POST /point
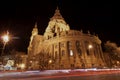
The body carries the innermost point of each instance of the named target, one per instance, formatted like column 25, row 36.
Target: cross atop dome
column 57, row 14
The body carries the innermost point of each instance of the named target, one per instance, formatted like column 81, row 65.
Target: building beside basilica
column 63, row 48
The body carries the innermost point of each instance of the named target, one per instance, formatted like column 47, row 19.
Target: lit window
column 71, row 53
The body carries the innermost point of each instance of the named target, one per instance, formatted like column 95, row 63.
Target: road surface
column 61, row 75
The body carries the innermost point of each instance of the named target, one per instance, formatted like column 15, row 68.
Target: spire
column 35, row 24
column 57, row 14
column 35, row 29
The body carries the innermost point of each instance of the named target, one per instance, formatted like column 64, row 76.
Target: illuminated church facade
column 62, row 48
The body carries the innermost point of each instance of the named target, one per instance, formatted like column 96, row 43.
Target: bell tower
column 34, row 32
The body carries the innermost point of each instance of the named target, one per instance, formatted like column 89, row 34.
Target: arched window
column 79, row 51
column 78, row 44
column 71, row 52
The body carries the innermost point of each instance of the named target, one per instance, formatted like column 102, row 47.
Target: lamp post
column 5, row 39
column 90, row 47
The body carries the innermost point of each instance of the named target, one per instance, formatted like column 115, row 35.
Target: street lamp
column 5, row 39
column 50, row 61
column 90, row 46
column 22, row 66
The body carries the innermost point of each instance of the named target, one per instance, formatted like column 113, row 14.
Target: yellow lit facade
column 63, row 48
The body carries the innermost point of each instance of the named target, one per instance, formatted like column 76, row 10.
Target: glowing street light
column 50, row 61
column 90, row 46
column 5, row 39
column 22, row 66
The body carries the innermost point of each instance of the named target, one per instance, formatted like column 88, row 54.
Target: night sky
column 19, row 17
